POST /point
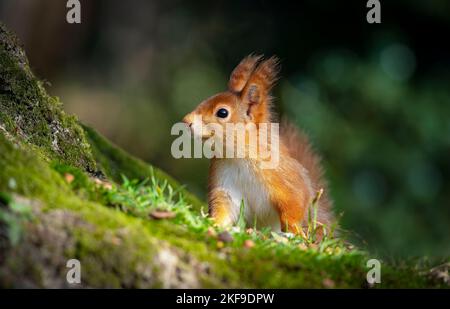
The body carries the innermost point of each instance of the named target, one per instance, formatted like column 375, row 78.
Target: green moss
column 28, row 112
column 116, row 250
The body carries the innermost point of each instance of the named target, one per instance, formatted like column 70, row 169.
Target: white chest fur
column 237, row 178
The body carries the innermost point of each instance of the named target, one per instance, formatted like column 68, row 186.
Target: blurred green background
column 375, row 99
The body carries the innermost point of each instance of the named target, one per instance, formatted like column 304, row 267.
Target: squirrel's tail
column 300, row 149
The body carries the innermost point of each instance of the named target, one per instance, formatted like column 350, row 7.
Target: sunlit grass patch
column 157, row 200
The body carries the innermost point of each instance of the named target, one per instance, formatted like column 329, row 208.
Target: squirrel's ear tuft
column 266, row 74
column 261, row 81
column 256, row 93
column 241, row 74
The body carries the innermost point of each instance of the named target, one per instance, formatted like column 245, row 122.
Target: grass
column 142, row 198
column 152, row 195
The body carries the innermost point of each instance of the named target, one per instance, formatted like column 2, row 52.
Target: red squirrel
column 280, row 197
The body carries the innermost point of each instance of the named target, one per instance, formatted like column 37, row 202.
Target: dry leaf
column 328, row 283
column 107, row 185
column 211, row 232
column 225, row 237
column 302, row 246
column 162, row 214
column 441, row 273
column 249, row 243
column 69, row 177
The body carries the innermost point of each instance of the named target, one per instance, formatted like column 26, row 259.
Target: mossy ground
column 62, row 196
column 119, row 245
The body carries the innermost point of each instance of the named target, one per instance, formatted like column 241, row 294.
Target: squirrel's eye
column 222, row 113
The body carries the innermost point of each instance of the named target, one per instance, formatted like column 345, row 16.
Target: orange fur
column 288, row 189
column 300, row 148
column 242, row 72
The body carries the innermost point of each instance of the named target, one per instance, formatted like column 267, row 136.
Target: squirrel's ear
column 261, row 81
column 256, row 93
column 240, row 75
column 252, row 94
